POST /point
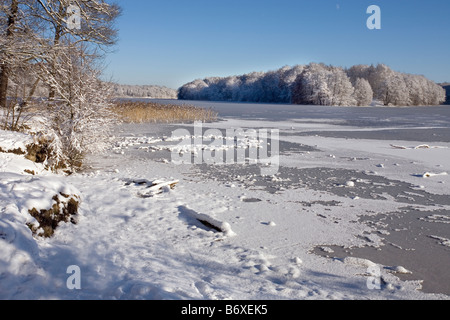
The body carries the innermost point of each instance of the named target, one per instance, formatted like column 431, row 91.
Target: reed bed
column 143, row 112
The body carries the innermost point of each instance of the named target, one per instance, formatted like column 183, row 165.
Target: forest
column 320, row 84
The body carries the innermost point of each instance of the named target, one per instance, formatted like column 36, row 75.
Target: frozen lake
column 363, row 117
column 334, row 204
column 323, row 147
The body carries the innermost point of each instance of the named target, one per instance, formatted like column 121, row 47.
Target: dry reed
column 142, row 112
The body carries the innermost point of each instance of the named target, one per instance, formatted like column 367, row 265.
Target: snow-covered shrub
column 78, row 121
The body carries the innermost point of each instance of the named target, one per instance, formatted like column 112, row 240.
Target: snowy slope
column 130, row 243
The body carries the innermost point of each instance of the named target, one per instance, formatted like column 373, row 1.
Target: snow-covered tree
column 14, row 42
column 38, row 42
column 363, row 93
column 392, row 90
column 79, row 120
column 360, row 71
column 318, row 84
column 18, row 45
column 396, row 88
column 322, row 85
column 35, row 29
column 417, row 88
column 251, row 88
column 435, row 94
column 192, row 90
column 340, row 87
column 288, row 76
column 311, row 86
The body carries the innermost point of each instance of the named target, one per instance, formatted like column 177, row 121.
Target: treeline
column 272, row 86
column 320, row 84
column 144, row 91
column 116, row 91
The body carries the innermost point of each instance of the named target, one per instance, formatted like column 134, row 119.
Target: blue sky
column 171, row 42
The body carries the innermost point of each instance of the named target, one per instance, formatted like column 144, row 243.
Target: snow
column 350, row 184
column 150, row 229
column 430, row 174
column 206, row 220
column 10, row 141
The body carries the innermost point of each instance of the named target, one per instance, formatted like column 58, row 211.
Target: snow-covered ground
column 225, row 231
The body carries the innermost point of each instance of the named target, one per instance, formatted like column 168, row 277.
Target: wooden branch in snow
column 154, row 187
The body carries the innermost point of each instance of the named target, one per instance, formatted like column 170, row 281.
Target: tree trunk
column 3, row 85
column 4, row 76
column 56, row 42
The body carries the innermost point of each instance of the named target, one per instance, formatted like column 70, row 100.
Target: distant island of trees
column 320, row 84
column 143, row 91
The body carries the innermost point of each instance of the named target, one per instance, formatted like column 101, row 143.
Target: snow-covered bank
column 131, row 243
column 25, row 186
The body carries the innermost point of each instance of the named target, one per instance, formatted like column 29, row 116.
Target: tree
column 79, row 122
column 359, row 71
column 288, row 76
column 311, row 86
column 417, row 87
column 341, row 89
column 363, row 93
column 271, row 85
column 192, row 90
column 96, row 27
column 392, row 91
column 17, row 45
column 40, row 41
column 251, row 88
column 435, row 94
column 97, row 18
column 322, row 85
column 11, row 12
column 32, row 31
